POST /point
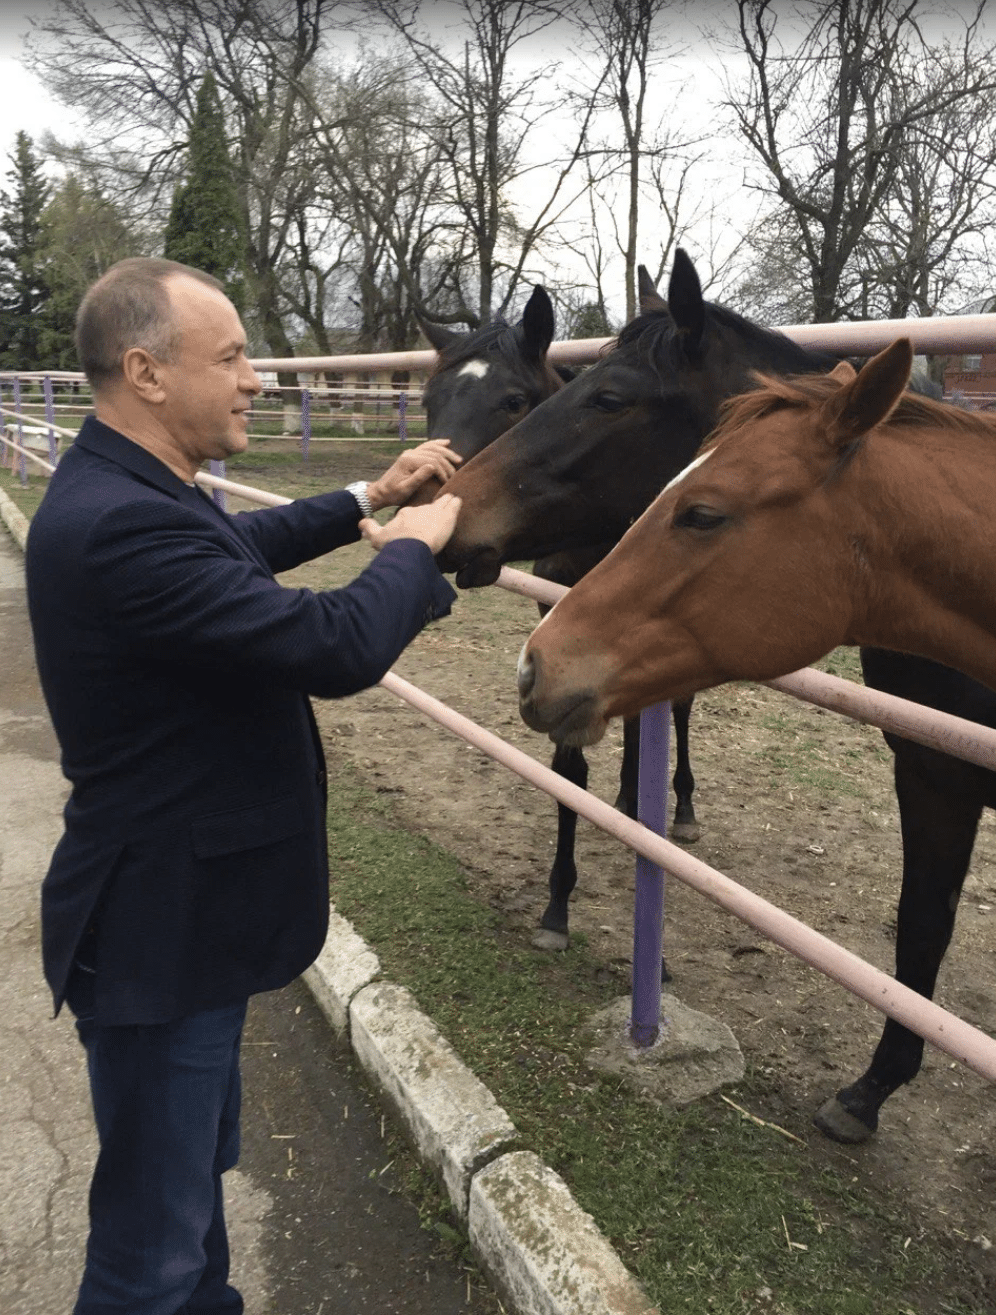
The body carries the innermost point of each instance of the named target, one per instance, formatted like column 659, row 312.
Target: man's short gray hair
column 128, row 307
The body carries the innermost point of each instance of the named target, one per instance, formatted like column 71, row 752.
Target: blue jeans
column 166, row 1103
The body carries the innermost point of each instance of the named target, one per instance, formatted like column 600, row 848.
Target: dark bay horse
column 596, row 455
column 483, row 384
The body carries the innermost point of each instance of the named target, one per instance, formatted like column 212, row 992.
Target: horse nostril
column 526, row 674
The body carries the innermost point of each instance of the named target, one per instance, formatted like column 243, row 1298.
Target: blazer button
column 320, row 777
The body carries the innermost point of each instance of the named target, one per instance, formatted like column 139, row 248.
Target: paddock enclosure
column 796, row 803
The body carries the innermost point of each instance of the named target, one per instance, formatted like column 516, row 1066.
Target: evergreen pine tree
column 23, row 290
column 82, row 235
column 205, row 225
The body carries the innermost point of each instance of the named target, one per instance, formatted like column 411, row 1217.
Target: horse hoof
column 840, row 1124
column 543, row 939
column 686, row 833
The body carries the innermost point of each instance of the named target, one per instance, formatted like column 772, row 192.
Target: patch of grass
column 800, row 761
column 707, row 1210
column 843, row 662
column 26, row 497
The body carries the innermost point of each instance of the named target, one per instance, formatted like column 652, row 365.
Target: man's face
column 210, row 383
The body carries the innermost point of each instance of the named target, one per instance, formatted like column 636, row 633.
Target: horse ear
column 844, row 372
column 685, row 301
column 870, row 396
column 537, row 324
column 650, row 298
column 439, row 337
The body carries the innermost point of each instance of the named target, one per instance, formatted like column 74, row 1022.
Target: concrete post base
column 693, row 1056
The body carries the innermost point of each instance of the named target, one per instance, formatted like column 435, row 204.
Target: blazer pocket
column 246, row 828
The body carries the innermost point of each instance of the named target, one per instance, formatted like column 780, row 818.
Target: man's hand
column 431, row 460
column 432, row 523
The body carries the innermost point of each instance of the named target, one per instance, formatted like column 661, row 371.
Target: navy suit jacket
column 193, row 870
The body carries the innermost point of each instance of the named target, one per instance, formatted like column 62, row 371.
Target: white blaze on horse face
column 477, row 368
column 688, row 470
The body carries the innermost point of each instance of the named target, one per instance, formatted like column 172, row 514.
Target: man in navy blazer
column 193, row 868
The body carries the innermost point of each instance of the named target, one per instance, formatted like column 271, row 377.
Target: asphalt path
column 317, row 1223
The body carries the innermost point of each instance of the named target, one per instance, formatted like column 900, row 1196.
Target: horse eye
column 699, row 518
column 608, row 402
column 515, row 403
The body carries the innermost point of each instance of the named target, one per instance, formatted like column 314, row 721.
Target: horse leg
column 940, row 806
column 553, row 930
column 686, row 827
column 628, row 798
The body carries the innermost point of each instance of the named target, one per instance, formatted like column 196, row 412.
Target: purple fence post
column 648, row 913
column 23, row 463
column 305, row 422
column 4, row 449
column 218, row 470
column 49, row 392
column 403, row 415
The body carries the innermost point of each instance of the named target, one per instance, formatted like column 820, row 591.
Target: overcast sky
column 26, row 105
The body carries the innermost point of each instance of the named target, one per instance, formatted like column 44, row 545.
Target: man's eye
column 699, row 518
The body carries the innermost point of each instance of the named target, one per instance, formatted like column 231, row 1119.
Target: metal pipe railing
column 954, row 1036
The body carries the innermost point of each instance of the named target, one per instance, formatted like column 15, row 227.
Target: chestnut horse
column 485, row 382
column 823, row 511
column 599, row 453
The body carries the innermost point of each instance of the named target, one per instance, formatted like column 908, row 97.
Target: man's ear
column 143, row 375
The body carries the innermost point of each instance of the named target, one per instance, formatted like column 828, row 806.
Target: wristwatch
column 359, row 492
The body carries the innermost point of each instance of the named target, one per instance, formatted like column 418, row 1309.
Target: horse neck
column 929, row 540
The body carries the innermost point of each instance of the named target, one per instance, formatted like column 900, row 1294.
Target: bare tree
column 133, row 71
column 490, row 107
column 625, row 40
column 382, row 175
column 829, row 113
column 928, row 245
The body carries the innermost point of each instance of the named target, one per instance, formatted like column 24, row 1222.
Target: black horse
column 588, row 462
column 488, row 379
column 483, row 384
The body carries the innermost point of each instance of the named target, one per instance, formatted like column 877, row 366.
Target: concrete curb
column 14, row 519
column 536, row 1244
column 542, row 1252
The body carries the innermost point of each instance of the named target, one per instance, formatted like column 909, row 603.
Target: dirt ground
column 795, row 803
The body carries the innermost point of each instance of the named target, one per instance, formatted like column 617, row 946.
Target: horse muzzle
column 571, row 717
column 474, row 567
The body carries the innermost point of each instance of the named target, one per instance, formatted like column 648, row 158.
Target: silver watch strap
column 359, row 492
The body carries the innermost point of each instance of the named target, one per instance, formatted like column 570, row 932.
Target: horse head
column 487, row 380
column 580, row 468
column 754, row 561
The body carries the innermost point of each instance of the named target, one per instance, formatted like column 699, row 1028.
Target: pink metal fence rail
column 957, row 1038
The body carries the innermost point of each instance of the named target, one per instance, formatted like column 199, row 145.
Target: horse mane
column 807, row 391
column 658, row 339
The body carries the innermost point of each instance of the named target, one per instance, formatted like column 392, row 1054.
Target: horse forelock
column 499, row 339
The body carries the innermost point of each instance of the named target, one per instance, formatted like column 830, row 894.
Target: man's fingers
column 430, row 470
column 440, row 446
